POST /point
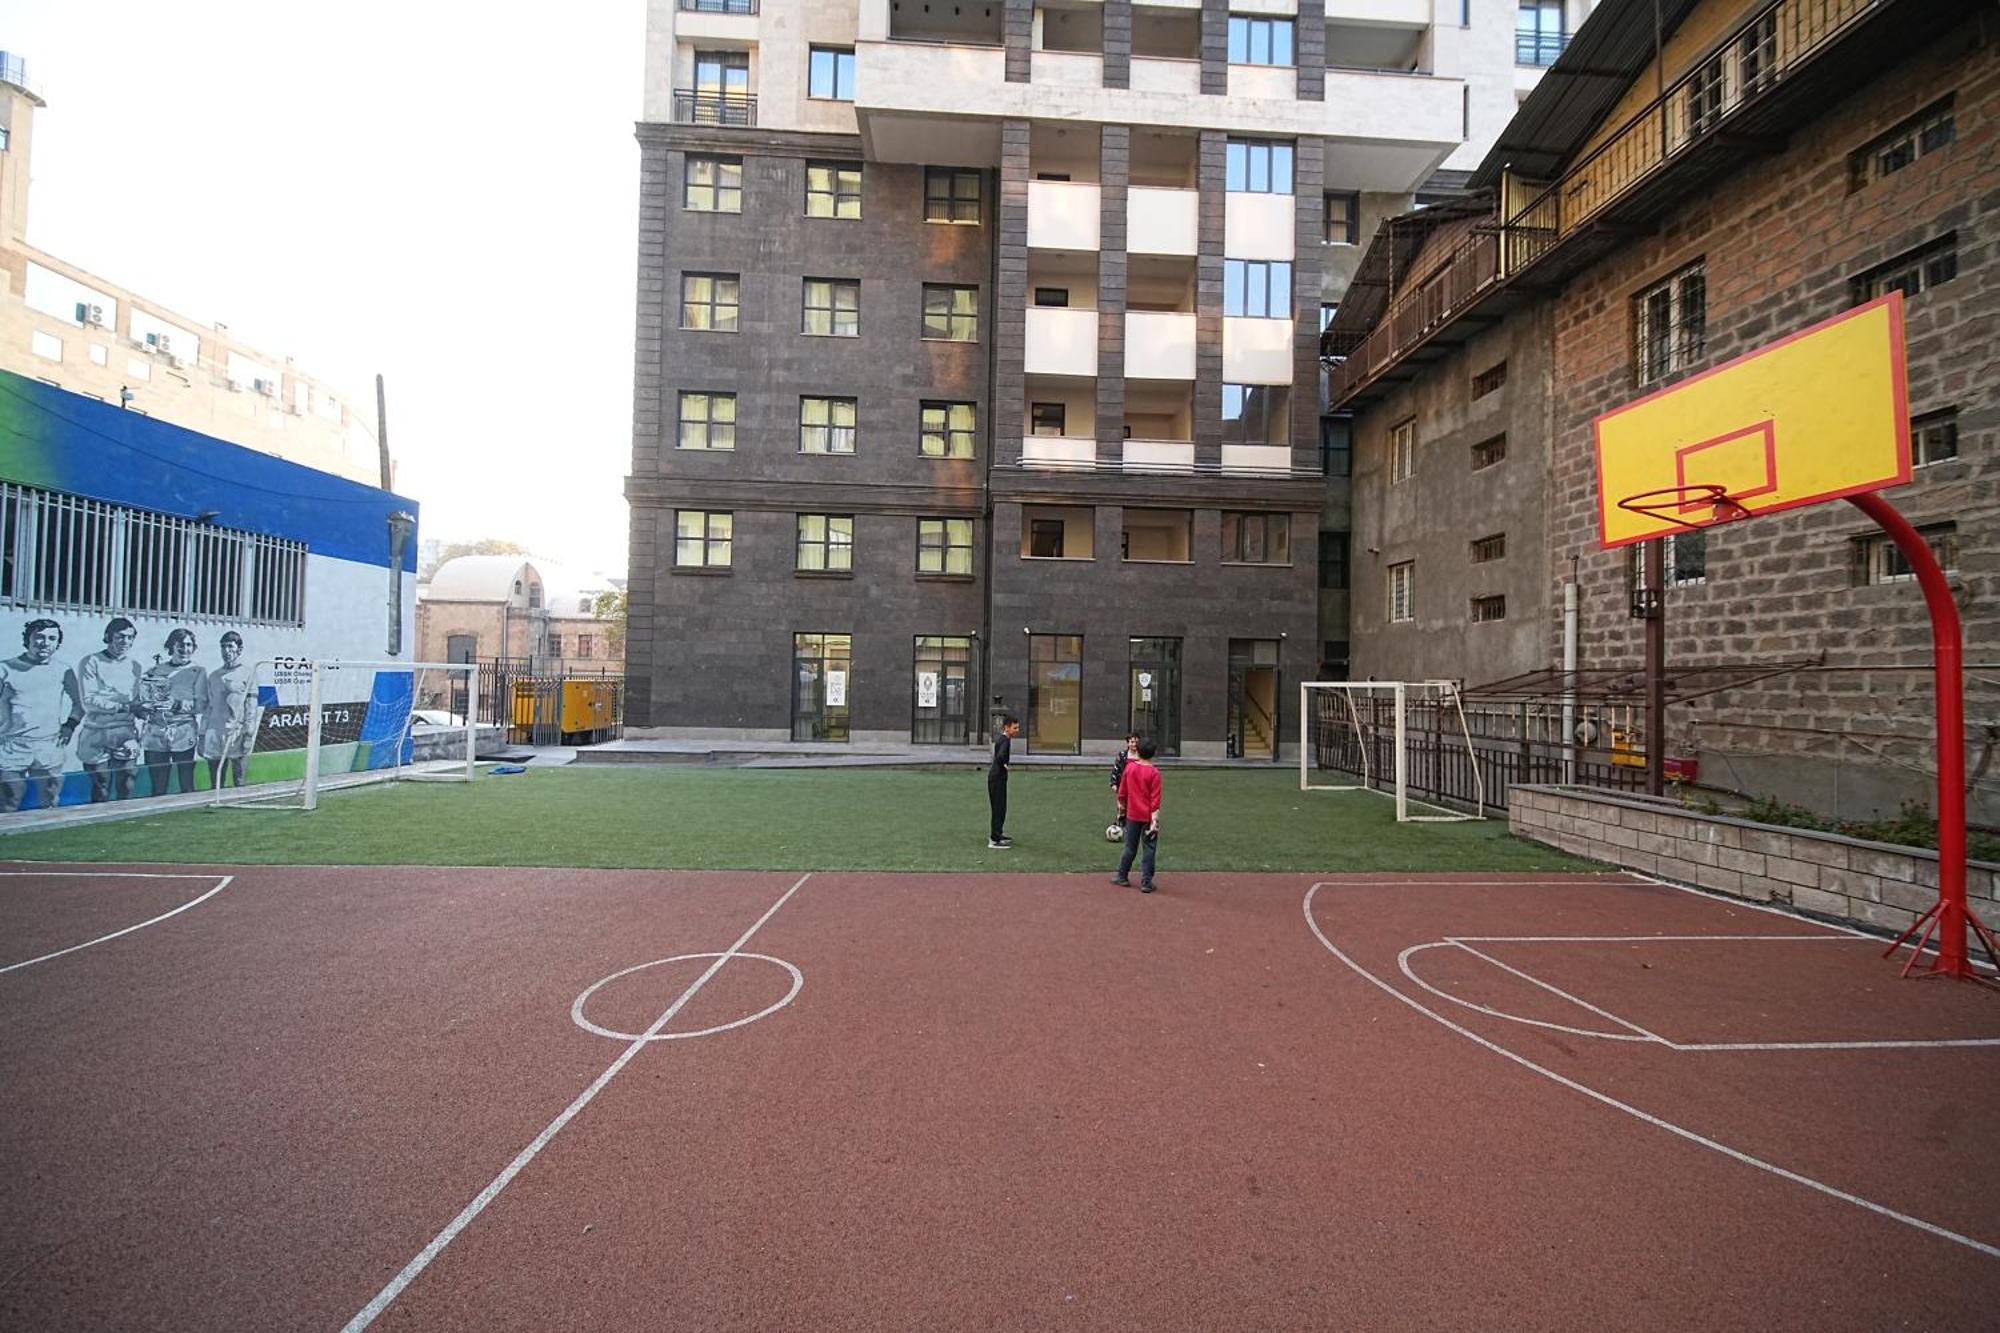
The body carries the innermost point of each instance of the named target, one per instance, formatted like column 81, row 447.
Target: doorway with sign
column 1055, row 693
column 1155, row 707
column 821, row 667
column 940, row 711
column 1253, row 699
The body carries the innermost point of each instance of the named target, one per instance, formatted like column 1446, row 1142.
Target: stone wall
column 1868, row 883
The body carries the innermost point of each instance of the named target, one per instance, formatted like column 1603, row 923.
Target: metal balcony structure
column 698, row 108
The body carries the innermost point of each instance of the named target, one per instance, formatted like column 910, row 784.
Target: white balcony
column 1276, row 83
column 1061, row 342
column 1160, row 345
column 1256, row 351
column 1259, row 226
column 1256, row 458
column 1154, row 74
column 1159, row 456
column 1380, row 13
column 1067, row 69
column 1157, row 221
column 1063, row 215
column 1058, row 451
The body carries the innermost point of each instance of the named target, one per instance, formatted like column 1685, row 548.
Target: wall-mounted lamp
column 125, row 395
column 208, row 516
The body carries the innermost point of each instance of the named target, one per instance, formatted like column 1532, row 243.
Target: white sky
column 442, row 191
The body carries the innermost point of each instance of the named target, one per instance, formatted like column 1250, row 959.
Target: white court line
column 1558, row 991
column 1635, row 939
column 1403, row 962
column 383, row 1298
column 222, row 882
column 1734, row 1154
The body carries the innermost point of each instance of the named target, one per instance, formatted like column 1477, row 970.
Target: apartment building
column 1758, row 167
column 978, row 355
column 66, row 326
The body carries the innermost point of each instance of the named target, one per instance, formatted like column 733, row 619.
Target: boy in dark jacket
column 996, row 782
column 1125, row 756
column 1139, row 790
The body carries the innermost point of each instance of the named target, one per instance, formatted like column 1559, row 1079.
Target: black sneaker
column 1122, row 883
column 1146, row 887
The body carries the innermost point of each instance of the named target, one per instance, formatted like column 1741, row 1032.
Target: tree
column 484, row 546
column 609, row 606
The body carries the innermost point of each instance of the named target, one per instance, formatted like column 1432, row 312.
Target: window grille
column 1913, row 272
column 1670, row 320
column 1934, row 437
column 1402, row 591
column 1403, row 450
column 1489, row 608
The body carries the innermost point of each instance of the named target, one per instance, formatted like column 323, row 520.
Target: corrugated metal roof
column 1611, row 49
column 1386, row 262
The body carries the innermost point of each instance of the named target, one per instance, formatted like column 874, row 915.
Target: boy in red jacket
column 1139, row 794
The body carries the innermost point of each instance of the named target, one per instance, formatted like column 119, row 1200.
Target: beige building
column 479, row 607
column 67, row 326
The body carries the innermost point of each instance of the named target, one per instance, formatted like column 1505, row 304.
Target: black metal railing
column 1530, row 48
column 526, row 698
column 733, row 109
column 719, row 6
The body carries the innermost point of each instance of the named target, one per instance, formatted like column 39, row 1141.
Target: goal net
column 295, row 729
column 1404, row 739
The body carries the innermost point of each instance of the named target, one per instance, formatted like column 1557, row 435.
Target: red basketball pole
column 1950, row 916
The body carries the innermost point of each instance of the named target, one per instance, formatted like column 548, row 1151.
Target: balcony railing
column 719, row 6
column 1754, row 60
column 1530, row 48
column 738, row 109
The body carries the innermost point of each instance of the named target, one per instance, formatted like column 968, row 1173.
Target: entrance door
column 821, row 668
column 1155, row 707
column 939, row 711
column 1253, row 698
column 1055, row 693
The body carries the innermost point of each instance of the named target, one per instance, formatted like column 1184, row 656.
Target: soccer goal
column 303, row 728
column 1394, row 737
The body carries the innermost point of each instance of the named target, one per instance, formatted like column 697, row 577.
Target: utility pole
column 382, row 432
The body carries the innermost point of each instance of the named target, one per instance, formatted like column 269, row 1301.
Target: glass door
column 821, row 667
column 1253, row 699
column 1055, row 693
column 939, row 710
column 1155, row 692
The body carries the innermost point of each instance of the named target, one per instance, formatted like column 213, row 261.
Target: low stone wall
column 1868, row 883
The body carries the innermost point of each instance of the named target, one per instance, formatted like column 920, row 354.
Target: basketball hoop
column 1670, row 502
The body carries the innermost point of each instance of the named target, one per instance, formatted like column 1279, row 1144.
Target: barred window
column 951, row 313
column 832, row 308
column 1489, row 608
column 710, row 301
column 951, row 195
column 61, row 552
column 833, row 189
column 826, row 425
column 702, row 539
column 1684, row 559
column 1402, row 592
column 708, row 421
column 1670, row 320
column 948, row 430
column 826, row 544
column 1403, row 450
column 1488, row 452
column 1921, row 135
column 713, row 185
column 1489, row 548
column 944, row 546
column 1486, row 381
column 1934, row 437
column 1878, row 560
column 1913, row 272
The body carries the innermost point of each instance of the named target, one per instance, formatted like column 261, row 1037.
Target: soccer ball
column 1114, row 833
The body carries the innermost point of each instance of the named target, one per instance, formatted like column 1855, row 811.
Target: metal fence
column 732, row 109
column 541, row 702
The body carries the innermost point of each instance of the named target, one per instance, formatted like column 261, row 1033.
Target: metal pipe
column 1569, row 682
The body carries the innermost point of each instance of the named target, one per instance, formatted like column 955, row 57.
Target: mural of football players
column 108, row 741
column 174, row 691
column 40, row 707
column 229, row 715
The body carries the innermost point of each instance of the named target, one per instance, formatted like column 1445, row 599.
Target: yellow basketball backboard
column 1814, row 416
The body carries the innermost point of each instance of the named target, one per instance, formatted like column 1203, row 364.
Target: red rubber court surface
column 327, row 1098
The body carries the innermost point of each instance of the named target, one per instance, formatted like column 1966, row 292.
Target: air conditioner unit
column 266, row 387
column 160, row 342
column 96, row 315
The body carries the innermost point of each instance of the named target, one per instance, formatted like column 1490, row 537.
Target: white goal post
column 1345, row 727
column 326, row 725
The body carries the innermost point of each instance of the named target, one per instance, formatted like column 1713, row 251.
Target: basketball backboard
column 1815, row 416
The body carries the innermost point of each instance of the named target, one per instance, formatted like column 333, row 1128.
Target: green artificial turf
column 802, row 819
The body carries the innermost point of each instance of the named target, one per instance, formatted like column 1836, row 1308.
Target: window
column 1704, row 96
column 702, row 539
column 1257, row 288
column 586, row 645
column 45, row 345
column 1913, row 272
column 1053, row 297
column 1256, row 414
column 831, row 75
column 1493, row 607
column 1488, row 452
column 1333, row 561
column 951, row 195
column 1047, row 418
column 832, row 308
column 1670, row 324
column 1921, row 135
column 1258, row 166
column 1257, row 539
column 1757, row 55
column 710, row 301
column 708, row 421
column 1684, row 556
column 1934, row 437
column 713, row 184
column 1876, row 559
column 944, row 546
column 1486, row 381
column 1259, row 41
column 825, row 544
column 826, row 425
column 1538, row 32
column 1327, row 310
column 833, row 189
column 1489, row 548
column 1164, row 536
column 552, row 646
column 1343, row 217
column 1403, row 450
column 1336, row 446
column 947, row 430
column 1045, row 538
column 1402, row 592
column 951, row 313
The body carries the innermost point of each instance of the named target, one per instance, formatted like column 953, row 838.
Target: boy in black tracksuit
column 996, row 782
column 1125, row 756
